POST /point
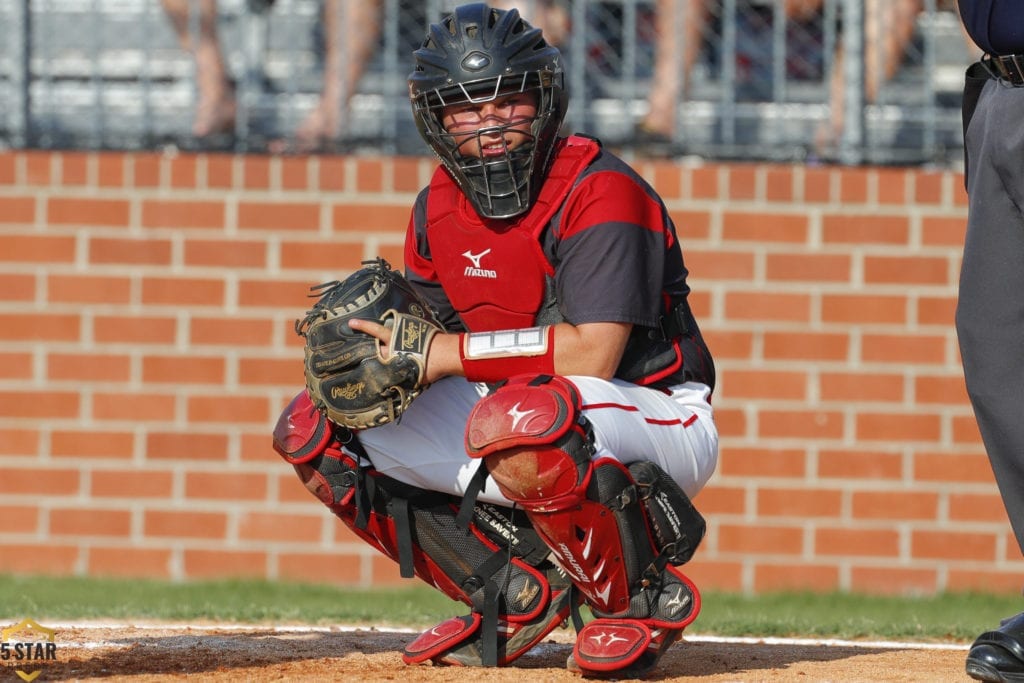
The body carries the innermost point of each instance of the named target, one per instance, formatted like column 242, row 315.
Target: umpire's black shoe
column 998, row 655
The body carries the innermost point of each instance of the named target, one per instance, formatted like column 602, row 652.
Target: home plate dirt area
column 228, row 652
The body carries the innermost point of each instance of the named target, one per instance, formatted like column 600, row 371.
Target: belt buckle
column 1010, row 68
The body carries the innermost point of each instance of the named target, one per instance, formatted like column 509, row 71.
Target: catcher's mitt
column 347, row 377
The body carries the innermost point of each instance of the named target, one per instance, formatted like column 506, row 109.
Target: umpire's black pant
column 990, row 312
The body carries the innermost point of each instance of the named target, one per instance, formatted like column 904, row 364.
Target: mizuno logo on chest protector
column 475, row 270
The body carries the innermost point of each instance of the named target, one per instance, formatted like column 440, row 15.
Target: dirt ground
column 145, row 653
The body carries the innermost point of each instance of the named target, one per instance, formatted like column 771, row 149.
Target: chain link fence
column 854, row 81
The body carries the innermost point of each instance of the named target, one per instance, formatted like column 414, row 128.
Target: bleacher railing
column 770, row 79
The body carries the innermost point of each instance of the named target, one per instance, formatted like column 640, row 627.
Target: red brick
column 183, row 291
column 271, row 371
column 184, row 369
column 234, row 332
column 89, row 522
column 406, row 175
column 764, row 384
column 748, row 463
column 859, row 464
column 331, row 257
column 290, row 296
column 8, row 168
column 166, row 213
column 936, row 310
column 722, row 576
column 87, row 211
column 131, row 484
column 276, row 216
column 332, row 173
column 892, row 186
column 943, row 231
column 722, row 264
column 779, row 184
column 691, row 225
column 873, row 229
column 40, row 404
column 88, row 289
column 907, row 270
column 42, row 481
column 951, row 545
column 977, row 507
column 705, row 181
column 17, row 210
column 928, row 187
column 133, row 406
column 138, row 330
column 47, row 558
column 110, row 169
column 899, row 504
column 858, row 309
column 765, row 227
column 279, row 527
column 39, row 327
column 741, row 305
column 804, row 424
column 893, row 581
column 294, row 173
column 722, row 500
column 146, row 251
column 74, row 168
column 22, row 519
column 202, row 564
column 230, row 486
column 795, row 577
column 369, row 175
column 760, row 539
column 38, row 167
column 335, row 567
column 965, row 430
column 809, row 267
column 848, row 542
column 226, row 253
column 898, row 427
column 818, row 185
column 180, row 524
column 904, row 348
column 37, row 249
column 20, row 441
column 363, row 217
column 815, row 504
column 176, row 446
column 15, row 365
column 742, row 181
column 808, row 346
column 88, row 367
column 255, row 172
column 729, row 344
column 146, row 169
column 143, row 563
column 227, row 409
column 858, row 386
column 853, row 185
column 183, row 170
column 220, row 171
column 940, row 390
column 92, row 444
column 952, row 467
column 18, row 287
column 974, row 580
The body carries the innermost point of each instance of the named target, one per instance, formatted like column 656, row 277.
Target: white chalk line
column 804, row 642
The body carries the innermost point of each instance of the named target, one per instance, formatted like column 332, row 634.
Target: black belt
column 1009, row 68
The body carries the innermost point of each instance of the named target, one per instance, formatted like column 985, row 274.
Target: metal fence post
column 851, row 143
column 19, row 49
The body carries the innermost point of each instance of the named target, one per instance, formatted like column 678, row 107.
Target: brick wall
column 135, row 419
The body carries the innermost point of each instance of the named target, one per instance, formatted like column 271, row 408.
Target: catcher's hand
column 348, row 378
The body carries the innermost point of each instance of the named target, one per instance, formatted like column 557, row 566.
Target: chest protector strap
column 494, row 271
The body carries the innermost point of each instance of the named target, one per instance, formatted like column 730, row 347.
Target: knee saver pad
column 533, row 426
column 305, row 439
column 301, row 432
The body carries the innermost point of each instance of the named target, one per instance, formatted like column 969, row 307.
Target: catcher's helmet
column 477, row 54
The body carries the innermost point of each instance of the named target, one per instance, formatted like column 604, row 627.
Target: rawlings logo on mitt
column 347, row 376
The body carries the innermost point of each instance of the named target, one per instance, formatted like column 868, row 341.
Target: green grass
column 952, row 617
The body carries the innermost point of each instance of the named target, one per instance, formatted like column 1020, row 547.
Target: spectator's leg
column 215, row 106
column 351, row 31
column 674, row 57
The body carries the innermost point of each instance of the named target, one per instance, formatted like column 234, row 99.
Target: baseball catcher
column 567, row 426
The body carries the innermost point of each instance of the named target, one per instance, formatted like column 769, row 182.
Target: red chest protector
column 494, row 271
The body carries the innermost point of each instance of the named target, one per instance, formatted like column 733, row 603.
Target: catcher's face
column 492, row 128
